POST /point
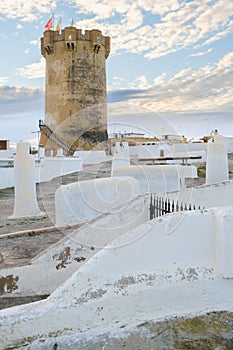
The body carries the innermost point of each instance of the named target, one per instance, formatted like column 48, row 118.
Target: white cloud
column 208, row 88
column 177, row 24
column 160, row 79
column 26, row 10
column 141, row 82
column 201, row 53
column 34, row 42
column 34, row 70
column 19, row 26
column 181, row 24
column 9, row 93
column 3, row 80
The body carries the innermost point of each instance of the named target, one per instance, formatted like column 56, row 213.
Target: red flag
column 49, row 24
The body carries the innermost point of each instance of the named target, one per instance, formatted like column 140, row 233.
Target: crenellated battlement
column 71, row 35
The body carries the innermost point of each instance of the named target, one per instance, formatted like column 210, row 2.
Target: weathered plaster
column 8, row 284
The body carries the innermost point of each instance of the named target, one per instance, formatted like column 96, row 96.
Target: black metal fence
column 160, row 206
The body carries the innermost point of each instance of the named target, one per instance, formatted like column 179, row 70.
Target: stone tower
column 75, row 90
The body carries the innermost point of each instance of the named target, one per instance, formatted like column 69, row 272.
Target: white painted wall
column 7, row 153
column 121, row 155
column 48, row 169
column 217, row 161
column 167, row 267
column 91, row 157
column 52, row 167
column 228, row 141
column 46, row 272
column 157, row 178
column 84, row 200
column 7, row 178
column 208, row 196
column 150, row 150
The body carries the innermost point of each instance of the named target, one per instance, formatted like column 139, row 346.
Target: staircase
column 55, row 138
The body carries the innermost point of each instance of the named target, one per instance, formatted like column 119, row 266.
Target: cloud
column 123, row 95
column 19, row 26
column 208, row 88
column 34, row 42
column 34, row 70
column 3, row 80
column 9, row 94
column 177, row 25
column 201, row 53
column 15, row 100
column 26, row 11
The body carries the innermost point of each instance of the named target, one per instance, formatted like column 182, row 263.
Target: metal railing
column 160, row 206
column 54, row 137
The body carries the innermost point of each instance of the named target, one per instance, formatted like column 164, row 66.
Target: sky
column 173, row 58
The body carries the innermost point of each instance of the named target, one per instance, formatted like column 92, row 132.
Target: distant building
column 75, row 82
column 4, row 145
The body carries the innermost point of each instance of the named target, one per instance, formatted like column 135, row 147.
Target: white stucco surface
column 52, row 167
column 91, row 157
column 84, row 200
column 157, row 178
column 207, row 196
column 25, row 203
column 121, row 156
column 166, row 267
column 150, row 150
column 217, row 161
column 52, row 267
column 48, row 169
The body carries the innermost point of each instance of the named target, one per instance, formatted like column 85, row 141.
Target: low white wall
column 207, row 196
column 91, row 157
column 7, row 178
column 157, row 178
column 159, row 267
column 7, row 153
column 148, row 150
column 228, row 141
column 151, row 150
column 48, row 169
column 56, row 264
column 189, row 147
column 51, row 167
column 84, row 200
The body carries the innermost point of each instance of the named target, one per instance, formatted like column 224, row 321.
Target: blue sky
column 171, row 57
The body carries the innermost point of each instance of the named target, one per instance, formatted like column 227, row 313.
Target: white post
column 25, row 203
column 217, row 161
column 41, row 152
column 121, row 157
column 60, row 152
